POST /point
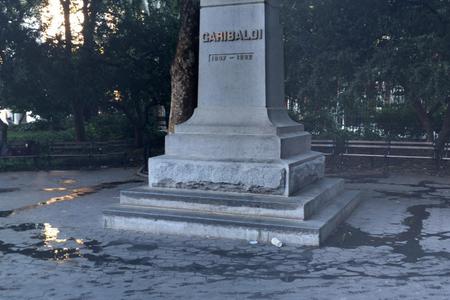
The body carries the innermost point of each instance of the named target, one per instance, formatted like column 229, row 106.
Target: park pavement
column 396, row 245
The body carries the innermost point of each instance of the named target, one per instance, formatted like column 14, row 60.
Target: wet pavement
column 396, row 245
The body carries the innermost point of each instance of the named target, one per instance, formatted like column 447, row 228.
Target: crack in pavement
column 9, row 190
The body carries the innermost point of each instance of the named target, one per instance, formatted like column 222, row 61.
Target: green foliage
column 121, row 69
column 346, row 56
column 40, row 136
column 138, row 52
column 397, row 121
column 108, row 127
column 104, row 127
column 344, row 59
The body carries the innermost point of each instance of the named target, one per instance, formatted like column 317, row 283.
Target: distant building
column 11, row 118
column 5, row 116
column 161, row 118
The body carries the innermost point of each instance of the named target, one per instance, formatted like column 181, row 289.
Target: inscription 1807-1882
column 231, row 56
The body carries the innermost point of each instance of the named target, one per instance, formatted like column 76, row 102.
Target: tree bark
column 88, row 54
column 3, row 137
column 424, row 119
column 138, row 136
column 90, row 9
column 184, row 70
column 72, row 93
column 444, row 133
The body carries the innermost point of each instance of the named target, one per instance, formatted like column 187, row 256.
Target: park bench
column 389, row 149
column 88, row 149
column 21, row 149
column 446, row 155
column 327, row 147
column 84, row 153
column 90, row 152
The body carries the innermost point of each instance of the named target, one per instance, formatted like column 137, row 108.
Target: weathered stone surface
column 302, row 206
column 276, row 177
column 227, row 176
column 300, row 175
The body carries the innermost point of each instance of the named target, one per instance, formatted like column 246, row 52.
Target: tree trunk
column 184, row 70
column 90, row 9
column 87, row 54
column 444, row 134
column 3, row 137
column 72, row 93
column 424, row 119
column 78, row 115
column 138, row 136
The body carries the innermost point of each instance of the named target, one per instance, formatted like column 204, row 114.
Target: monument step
column 261, row 228
column 294, row 143
column 238, row 146
column 301, row 206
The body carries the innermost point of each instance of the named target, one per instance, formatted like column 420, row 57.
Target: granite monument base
column 240, row 167
column 275, row 177
column 306, row 218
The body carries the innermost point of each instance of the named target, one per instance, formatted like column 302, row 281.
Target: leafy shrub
column 106, row 127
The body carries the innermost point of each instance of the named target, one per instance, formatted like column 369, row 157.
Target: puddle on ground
column 46, row 244
column 68, row 181
column 406, row 243
column 74, row 194
column 57, row 189
column 8, row 190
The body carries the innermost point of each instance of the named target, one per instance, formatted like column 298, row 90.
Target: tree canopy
column 119, row 61
column 354, row 55
column 369, row 67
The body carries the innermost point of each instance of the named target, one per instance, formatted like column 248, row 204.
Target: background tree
column 123, row 52
column 346, row 62
column 184, row 70
column 136, row 59
column 345, row 56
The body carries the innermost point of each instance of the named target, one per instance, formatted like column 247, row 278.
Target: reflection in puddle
column 61, row 251
column 68, row 181
column 50, row 235
column 46, row 244
column 59, row 189
column 49, row 247
column 76, row 193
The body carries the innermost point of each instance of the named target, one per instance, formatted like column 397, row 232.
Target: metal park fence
column 31, row 155
column 26, row 155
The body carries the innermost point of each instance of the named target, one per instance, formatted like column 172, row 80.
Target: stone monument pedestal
column 307, row 218
column 240, row 168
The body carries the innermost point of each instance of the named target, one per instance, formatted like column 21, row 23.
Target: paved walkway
column 52, row 246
